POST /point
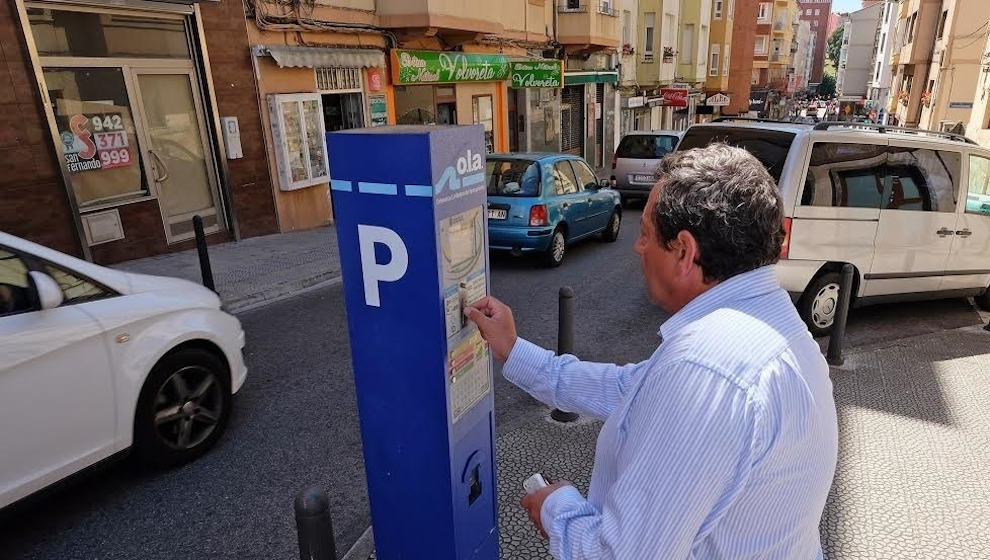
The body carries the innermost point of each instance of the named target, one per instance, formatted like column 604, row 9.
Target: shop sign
column 674, row 97
column 960, row 105
column 757, row 100
column 633, row 102
column 374, row 79
column 95, row 141
column 717, row 100
column 536, row 74
column 429, row 67
column 379, row 110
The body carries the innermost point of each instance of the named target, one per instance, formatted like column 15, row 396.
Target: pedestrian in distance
column 722, row 444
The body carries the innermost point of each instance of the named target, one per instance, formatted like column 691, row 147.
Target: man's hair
column 725, row 198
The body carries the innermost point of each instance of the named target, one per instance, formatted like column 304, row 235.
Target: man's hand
column 533, row 503
column 495, row 321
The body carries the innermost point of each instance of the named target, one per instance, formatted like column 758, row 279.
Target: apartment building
column 803, row 48
column 785, row 18
column 855, row 66
column 719, row 50
column 878, row 88
column 978, row 127
column 818, row 13
column 741, row 60
column 917, row 21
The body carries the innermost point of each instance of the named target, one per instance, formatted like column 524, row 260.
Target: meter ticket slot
column 409, row 204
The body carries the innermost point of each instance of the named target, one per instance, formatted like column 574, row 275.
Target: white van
column 905, row 207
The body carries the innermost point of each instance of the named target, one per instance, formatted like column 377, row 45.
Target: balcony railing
column 605, row 7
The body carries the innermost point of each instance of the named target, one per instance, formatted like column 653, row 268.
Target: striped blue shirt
column 721, row 445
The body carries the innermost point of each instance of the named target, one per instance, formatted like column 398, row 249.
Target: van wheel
column 555, row 252
column 819, row 303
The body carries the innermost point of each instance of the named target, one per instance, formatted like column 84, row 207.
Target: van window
column 921, row 179
column 845, row 175
column 769, row 146
column 645, row 146
column 978, row 194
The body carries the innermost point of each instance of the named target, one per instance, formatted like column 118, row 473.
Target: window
column 768, row 146
column 845, row 176
column 298, row 134
column 15, row 288
column 911, row 21
column 512, row 178
column 573, row 4
column 921, row 179
column 626, row 20
column 481, row 113
column 764, row 12
column 732, row 10
column 58, row 33
column 818, row 12
column 725, row 65
column 978, row 196
column 668, row 31
column 650, row 22
column 887, row 8
column 701, row 51
column 645, row 146
column 717, row 9
column 876, row 75
column 687, row 44
column 761, row 45
column 563, row 178
column 941, row 23
column 76, row 289
column 585, row 176
column 713, row 68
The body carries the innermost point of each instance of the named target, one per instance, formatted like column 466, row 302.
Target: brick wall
column 33, row 202
column 237, row 96
column 741, row 64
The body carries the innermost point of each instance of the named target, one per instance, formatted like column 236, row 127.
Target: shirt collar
column 754, row 283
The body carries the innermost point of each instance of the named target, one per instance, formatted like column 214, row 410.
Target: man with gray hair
column 723, row 443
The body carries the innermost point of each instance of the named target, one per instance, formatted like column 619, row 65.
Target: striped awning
column 319, row 57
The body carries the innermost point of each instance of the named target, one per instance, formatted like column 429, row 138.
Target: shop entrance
column 126, row 104
column 425, row 105
column 572, row 120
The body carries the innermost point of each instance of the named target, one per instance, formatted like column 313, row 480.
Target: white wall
column 858, row 55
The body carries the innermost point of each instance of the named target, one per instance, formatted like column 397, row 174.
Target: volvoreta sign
column 432, row 67
column 536, row 74
column 674, row 97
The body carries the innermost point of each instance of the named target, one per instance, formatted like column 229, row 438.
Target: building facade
column 856, row 55
column 817, row 13
column 878, row 88
column 741, row 61
column 912, row 57
column 978, row 127
column 720, row 51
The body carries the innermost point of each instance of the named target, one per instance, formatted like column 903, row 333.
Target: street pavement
column 295, row 424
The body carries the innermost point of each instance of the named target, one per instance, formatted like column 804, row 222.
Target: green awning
column 591, row 77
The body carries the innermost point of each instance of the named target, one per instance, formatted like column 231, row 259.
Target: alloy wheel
column 188, row 407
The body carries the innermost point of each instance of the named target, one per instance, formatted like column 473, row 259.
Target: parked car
column 905, row 209
column 636, row 158
column 96, row 362
column 540, row 203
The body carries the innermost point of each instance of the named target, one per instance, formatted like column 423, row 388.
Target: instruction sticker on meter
column 462, row 245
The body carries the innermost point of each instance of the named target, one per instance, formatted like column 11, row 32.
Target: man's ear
column 689, row 250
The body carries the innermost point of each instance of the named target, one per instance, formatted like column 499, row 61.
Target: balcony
column 444, row 15
column 587, row 26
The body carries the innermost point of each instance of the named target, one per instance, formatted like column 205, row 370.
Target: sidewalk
column 256, row 270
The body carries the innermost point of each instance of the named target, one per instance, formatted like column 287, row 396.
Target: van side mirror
column 47, row 289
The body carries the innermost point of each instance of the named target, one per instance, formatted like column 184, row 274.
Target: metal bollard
column 204, row 257
column 565, row 339
column 313, row 525
column 838, row 330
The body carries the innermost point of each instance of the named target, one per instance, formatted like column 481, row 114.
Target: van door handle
column 964, row 232
column 944, row 232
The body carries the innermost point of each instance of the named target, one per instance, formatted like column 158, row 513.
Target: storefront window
column 95, row 34
column 544, row 114
column 96, row 130
column 415, row 105
column 481, row 110
column 342, row 111
column 297, row 129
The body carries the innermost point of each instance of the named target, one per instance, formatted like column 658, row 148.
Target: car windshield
column 645, row 146
column 769, row 146
column 513, row 177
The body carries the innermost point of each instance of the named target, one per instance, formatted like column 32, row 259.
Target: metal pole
column 313, row 525
column 204, row 257
column 565, row 339
column 838, row 330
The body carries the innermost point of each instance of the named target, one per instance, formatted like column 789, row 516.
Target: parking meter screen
column 462, row 245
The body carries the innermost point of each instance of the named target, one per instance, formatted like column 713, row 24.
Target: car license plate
column 642, row 179
column 496, row 214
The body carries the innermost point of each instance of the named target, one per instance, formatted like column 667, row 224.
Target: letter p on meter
column 373, row 272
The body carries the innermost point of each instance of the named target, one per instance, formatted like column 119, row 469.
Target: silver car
column 636, row 160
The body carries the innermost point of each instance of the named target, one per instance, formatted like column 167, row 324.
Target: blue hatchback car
column 540, row 203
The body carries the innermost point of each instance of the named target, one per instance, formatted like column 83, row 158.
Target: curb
column 363, row 548
column 282, row 292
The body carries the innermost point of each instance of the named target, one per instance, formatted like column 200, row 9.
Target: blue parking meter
column 409, row 206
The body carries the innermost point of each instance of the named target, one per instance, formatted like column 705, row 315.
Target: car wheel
column 558, row 246
column 183, row 407
column 819, row 303
column 611, row 231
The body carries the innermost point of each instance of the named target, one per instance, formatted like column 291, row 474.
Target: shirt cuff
column 525, row 364
column 558, row 503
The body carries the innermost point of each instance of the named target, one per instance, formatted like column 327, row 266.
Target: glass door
column 177, row 156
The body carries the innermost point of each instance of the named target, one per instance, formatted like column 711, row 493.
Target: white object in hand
column 534, row 483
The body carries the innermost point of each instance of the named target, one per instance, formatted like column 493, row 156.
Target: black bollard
column 565, row 340
column 204, row 256
column 838, row 330
column 313, row 525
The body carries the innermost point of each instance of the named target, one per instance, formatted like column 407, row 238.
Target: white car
column 95, row 362
column 903, row 206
